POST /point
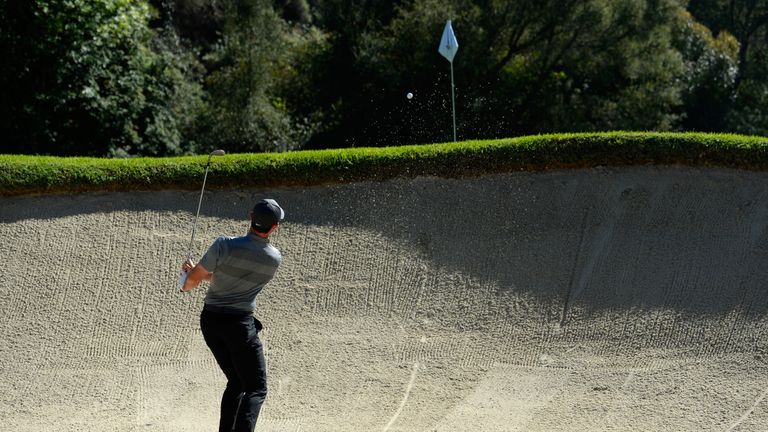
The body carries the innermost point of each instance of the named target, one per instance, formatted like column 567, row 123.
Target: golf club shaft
column 199, row 203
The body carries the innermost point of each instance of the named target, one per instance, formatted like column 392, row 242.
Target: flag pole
column 453, row 104
column 448, row 47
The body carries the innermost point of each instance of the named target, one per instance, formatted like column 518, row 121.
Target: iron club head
column 218, row 152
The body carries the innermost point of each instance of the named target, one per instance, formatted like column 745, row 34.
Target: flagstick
column 453, row 104
column 447, row 48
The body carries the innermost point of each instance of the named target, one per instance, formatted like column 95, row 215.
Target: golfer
column 238, row 268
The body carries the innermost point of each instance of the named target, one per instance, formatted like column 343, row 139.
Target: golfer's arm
column 196, row 275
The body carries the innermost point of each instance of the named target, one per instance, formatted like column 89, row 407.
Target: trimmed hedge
column 35, row 174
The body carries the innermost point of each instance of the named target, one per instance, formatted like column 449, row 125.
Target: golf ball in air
column 409, row 95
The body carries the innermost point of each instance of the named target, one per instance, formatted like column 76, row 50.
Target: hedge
column 44, row 174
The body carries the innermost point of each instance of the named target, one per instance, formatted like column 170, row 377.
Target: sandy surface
column 630, row 299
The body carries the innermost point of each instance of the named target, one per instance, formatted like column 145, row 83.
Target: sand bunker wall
column 625, row 260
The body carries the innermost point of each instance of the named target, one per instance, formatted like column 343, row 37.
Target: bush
column 243, row 112
column 87, row 81
column 27, row 174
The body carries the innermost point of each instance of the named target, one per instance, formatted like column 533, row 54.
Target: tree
column 331, row 88
column 710, row 75
column 747, row 21
column 244, row 112
column 86, row 80
column 527, row 66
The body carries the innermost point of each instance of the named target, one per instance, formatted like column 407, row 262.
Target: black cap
column 266, row 213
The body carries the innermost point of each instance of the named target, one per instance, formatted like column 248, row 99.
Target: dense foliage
column 83, row 77
column 172, row 77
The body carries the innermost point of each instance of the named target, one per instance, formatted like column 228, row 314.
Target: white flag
column 448, row 43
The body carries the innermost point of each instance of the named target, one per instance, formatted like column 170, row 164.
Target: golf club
column 183, row 275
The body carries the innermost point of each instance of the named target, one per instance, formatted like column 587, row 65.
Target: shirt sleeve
column 210, row 261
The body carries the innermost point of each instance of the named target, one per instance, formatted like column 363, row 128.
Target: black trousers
column 234, row 342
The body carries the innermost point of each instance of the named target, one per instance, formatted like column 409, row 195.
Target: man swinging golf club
column 238, row 268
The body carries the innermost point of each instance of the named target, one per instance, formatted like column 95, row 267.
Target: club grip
column 182, row 279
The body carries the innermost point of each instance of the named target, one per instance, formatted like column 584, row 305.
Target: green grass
column 35, row 174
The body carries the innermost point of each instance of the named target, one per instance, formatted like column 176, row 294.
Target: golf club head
column 218, row 152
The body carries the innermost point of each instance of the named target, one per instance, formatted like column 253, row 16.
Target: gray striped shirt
column 241, row 266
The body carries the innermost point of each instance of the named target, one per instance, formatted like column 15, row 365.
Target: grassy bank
column 33, row 174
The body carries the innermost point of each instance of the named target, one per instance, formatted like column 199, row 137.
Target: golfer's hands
column 187, row 265
column 196, row 274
